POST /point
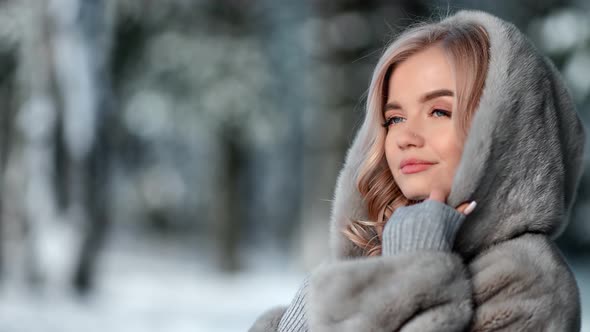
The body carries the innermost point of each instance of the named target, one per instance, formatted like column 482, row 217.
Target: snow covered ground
column 153, row 288
column 149, row 287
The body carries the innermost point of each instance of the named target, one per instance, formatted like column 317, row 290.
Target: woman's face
column 418, row 111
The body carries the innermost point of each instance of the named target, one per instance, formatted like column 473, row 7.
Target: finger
column 466, row 208
column 461, row 208
column 470, row 208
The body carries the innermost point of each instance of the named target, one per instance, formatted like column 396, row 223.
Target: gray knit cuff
column 294, row 319
column 429, row 225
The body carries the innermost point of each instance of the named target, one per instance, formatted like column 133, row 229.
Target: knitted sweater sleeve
column 429, row 225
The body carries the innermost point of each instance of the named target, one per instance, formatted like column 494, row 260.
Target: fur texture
column 383, row 293
column 522, row 163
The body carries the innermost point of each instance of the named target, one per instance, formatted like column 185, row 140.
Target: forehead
column 422, row 72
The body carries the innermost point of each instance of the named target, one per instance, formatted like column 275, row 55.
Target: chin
column 417, row 189
column 416, row 195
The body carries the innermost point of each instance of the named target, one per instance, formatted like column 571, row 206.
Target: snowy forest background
column 168, row 165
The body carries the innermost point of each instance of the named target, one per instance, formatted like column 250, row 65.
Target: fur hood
column 522, row 159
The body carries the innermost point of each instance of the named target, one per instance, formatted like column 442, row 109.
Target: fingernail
column 470, row 208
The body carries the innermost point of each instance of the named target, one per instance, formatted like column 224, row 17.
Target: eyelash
column 389, row 121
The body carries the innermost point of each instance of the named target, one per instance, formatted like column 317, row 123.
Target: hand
column 441, row 196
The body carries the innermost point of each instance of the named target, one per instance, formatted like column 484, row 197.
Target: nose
column 409, row 137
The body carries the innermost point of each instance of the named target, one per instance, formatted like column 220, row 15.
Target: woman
column 465, row 108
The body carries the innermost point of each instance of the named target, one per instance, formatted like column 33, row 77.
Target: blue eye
column 441, row 111
column 389, row 121
column 438, row 113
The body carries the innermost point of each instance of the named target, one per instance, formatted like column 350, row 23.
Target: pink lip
column 414, row 165
column 415, row 168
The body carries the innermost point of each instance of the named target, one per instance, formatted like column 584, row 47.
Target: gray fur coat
column 521, row 162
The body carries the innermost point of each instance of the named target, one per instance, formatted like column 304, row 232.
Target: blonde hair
column 467, row 46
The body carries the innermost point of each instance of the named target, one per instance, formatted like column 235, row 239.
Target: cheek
column 451, row 148
column 390, row 151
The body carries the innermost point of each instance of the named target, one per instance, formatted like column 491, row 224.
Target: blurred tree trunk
column 81, row 58
column 231, row 212
column 97, row 25
column 36, row 119
column 284, row 157
column 8, row 64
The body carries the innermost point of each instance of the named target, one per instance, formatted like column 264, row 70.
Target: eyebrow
column 426, row 97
